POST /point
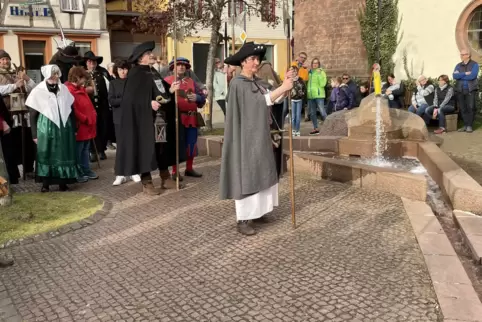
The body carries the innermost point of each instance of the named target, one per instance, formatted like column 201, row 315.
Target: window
column 268, row 12
column 475, row 30
column 238, row 5
column 194, row 9
column 72, row 6
column 34, row 58
column 83, row 46
column 270, row 54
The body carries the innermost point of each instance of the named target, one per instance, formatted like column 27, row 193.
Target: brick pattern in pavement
column 178, row 257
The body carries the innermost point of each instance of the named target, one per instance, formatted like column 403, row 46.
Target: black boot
column 245, row 228
column 45, row 187
column 173, row 177
column 102, row 156
column 192, row 173
column 63, row 187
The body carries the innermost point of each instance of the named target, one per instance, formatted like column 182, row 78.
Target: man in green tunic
column 53, row 129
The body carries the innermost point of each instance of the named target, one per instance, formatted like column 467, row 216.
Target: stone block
column 202, row 146
column 435, row 244
column 446, row 269
column 409, row 149
column 462, row 190
column 471, row 227
column 215, row 148
column 458, row 302
column 324, row 143
column 451, row 121
column 406, row 185
column 354, row 147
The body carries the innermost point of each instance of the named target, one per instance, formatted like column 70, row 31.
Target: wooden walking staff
column 175, row 96
column 287, row 23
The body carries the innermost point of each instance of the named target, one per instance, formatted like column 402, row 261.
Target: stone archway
column 461, row 34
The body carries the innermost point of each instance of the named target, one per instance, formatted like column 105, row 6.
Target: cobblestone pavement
column 178, row 257
column 466, row 150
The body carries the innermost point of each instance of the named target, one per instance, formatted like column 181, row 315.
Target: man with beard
column 99, row 94
column 167, row 151
column 11, row 82
column 66, row 58
column 138, row 152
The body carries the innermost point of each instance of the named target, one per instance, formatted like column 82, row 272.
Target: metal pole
column 379, row 29
column 290, row 131
column 175, row 98
column 233, row 18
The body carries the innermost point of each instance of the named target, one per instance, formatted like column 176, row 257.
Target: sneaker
column 314, row 132
column 119, row 180
column 297, row 133
column 82, row 179
column 440, row 131
column 92, row 175
column 469, row 129
column 136, row 178
column 462, row 129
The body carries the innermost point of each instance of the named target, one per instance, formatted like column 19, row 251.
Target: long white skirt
column 257, row 205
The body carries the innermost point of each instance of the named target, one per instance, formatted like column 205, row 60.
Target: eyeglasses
column 303, row 57
column 345, row 78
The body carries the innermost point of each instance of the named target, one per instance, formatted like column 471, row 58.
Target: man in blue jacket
column 466, row 87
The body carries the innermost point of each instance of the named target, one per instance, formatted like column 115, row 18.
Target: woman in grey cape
column 248, row 167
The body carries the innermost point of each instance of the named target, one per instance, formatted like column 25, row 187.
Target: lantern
column 160, row 128
column 17, row 102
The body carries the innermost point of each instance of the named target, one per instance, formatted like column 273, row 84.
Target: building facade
column 120, row 15
column 30, row 33
column 433, row 33
column 195, row 47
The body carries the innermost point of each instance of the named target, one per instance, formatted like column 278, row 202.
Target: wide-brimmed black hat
column 248, row 49
column 140, row 50
column 68, row 55
column 91, row 56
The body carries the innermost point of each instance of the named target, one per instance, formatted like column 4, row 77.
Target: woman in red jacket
column 86, row 120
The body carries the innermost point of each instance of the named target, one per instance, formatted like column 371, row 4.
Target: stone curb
column 455, row 293
column 462, row 190
column 471, row 227
column 92, row 219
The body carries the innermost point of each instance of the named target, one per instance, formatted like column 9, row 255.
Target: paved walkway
column 466, row 150
column 178, row 257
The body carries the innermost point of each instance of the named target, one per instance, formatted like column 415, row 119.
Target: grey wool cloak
column 248, row 163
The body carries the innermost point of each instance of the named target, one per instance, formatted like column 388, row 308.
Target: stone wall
column 329, row 29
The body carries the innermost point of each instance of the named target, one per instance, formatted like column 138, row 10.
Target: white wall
column 429, row 36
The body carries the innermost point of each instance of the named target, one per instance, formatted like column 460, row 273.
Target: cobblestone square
column 178, row 257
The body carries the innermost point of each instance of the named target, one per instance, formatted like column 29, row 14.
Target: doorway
column 34, row 58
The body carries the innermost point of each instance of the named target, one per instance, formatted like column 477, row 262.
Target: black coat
column 138, row 153
column 116, row 89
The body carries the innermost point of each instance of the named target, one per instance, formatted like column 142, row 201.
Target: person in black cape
column 65, row 59
column 139, row 152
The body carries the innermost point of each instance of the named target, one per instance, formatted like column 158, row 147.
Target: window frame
column 35, row 37
column 462, row 29
column 79, row 2
column 92, row 40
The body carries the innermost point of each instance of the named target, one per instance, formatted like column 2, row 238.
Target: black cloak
column 137, row 153
column 65, row 63
column 166, row 152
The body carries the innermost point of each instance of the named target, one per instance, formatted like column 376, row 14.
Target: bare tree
column 157, row 16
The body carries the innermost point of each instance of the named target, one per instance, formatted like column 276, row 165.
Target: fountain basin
column 399, row 182
column 462, row 190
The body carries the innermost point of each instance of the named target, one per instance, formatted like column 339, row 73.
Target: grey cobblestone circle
column 178, row 257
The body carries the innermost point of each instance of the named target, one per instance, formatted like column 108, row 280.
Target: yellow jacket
column 303, row 73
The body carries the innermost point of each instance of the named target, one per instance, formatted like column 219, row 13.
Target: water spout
column 379, row 134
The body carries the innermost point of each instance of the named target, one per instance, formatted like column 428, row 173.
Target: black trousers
column 222, row 105
column 101, row 137
column 466, row 102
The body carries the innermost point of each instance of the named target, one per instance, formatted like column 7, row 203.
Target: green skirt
column 56, row 152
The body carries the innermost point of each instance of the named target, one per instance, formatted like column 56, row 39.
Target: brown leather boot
column 148, row 188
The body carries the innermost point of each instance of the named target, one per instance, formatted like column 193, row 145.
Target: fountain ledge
column 461, row 189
